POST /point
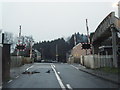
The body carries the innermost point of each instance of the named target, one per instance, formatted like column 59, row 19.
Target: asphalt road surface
column 57, row 75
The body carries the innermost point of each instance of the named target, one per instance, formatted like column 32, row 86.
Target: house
column 77, row 52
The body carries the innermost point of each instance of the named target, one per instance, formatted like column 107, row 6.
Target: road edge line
column 75, row 67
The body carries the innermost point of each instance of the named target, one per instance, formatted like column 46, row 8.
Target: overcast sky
column 52, row 20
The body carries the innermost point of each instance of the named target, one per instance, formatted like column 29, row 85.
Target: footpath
column 17, row 71
column 114, row 78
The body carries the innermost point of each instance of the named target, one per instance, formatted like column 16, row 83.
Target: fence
column 103, row 61
column 97, row 61
column 93, row 61
column 17, row 61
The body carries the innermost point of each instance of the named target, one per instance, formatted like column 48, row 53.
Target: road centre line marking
column 10, row 81
column 29, row 67
column 69, row 87
column 75, row 67
column 58, row 78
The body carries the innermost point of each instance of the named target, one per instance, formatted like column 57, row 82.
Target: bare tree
column 8, row 38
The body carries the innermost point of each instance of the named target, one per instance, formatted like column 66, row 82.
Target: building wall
column 77, row 51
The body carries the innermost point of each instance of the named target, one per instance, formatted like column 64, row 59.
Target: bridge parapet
column 104, row 27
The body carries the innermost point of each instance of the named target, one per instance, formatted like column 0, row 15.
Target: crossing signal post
column 86, row 46
column 20, row 47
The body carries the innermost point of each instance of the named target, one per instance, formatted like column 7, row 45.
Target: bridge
column 107, row 34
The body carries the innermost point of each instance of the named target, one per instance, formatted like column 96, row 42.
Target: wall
column 97, row 61
column 77, row 51
column 0, row 65
column 16, row 61
column 5, row 62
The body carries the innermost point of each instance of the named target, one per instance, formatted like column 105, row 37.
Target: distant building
column 36, row 55
column 77, row 52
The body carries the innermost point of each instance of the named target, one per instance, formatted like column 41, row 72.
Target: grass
column 110, row 70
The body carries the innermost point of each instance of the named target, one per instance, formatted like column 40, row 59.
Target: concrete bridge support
column 114, row 46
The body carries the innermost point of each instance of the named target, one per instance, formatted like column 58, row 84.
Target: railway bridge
column 107, row 36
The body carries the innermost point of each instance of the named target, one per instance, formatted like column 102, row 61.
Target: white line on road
column 69, row 87
column 53, row 65
column 10, row 81
column 75, row 67
column 0, row 87
column 58, row 72
column 17, row 77
column 29, row 67
column 58, row 78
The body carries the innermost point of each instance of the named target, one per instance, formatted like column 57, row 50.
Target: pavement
column 17, row 71
column 114, row 78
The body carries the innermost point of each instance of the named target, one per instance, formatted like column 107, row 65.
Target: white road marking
column 0, row 87
column 29, row 67
column 58, row 78
column 58, row 72
column 69, row 87
column 10, row 81
column 82, row 66
column 75, row 67
column 17, row 77
column 53, row 65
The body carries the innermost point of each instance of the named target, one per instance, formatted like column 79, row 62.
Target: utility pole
column 20, row 31
column 75, row 40
column 19, row 36
column 31, row 49
column 56, row 52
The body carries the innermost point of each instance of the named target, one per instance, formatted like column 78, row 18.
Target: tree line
column 48, row 48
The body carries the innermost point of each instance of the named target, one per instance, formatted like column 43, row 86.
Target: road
column 57, row 75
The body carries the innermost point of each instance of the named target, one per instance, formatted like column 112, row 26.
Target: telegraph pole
column 19, row 39
column 31, row 49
